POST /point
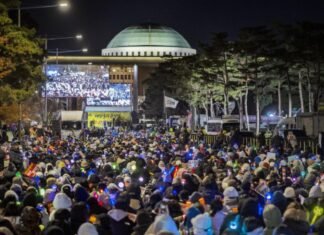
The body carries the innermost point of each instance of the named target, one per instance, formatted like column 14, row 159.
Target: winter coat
column 292, row 227
column 218, row 220
column 271, row 218
column 163, row 223
column 120, row 223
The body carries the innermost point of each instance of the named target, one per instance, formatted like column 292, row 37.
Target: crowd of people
column 67, row 81
column 158, row 181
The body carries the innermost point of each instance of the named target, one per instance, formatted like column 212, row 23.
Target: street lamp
column 57, row 52
column 77, row 37
column 19, row 9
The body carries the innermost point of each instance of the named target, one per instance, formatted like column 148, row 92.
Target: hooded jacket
column 163, row 223
column 271, row 218
column 120, row 223
column 292, row 227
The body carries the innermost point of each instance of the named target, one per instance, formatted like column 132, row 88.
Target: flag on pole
column 170, row 102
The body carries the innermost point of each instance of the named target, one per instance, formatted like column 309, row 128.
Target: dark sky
column 100, row 20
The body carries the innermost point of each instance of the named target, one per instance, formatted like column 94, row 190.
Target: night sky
column 100, row 20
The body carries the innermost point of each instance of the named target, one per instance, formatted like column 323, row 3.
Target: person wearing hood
column 294, row 221
column 163, row 222
column 271, row 218
column 119, row 221
column 87, row 229
column 279, row 201
column 234, row 221
column 202, row 225
column 231, row 197
column 61, row 201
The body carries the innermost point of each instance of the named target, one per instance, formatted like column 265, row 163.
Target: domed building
column 148, row 40
column 128, row 60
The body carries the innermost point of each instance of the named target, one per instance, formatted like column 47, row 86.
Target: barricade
column 303, row 143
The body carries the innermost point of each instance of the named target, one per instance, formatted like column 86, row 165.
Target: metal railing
column 303, row 142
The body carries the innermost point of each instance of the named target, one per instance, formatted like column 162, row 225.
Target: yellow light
column 63, row 4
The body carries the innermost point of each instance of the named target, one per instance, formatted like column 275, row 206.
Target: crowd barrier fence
column 303, row 142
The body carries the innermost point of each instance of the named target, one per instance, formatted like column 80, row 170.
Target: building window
column 152, row 54
column 164, row 53
column 145, row 53
column 126, row 53
column 139, row 53
column 180, row 53
column 133, row 53
column 158, row 53
column 121, row 53
column 175, row 54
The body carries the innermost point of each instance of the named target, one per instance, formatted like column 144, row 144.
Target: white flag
column 170, row 102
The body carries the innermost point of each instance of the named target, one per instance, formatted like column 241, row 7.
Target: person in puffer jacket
column 294, row 221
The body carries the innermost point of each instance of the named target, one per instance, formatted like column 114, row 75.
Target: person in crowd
column 158, row 181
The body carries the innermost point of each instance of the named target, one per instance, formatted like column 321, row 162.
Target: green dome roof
column 148, row 35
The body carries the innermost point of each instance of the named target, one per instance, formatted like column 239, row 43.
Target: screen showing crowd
column 118, row 95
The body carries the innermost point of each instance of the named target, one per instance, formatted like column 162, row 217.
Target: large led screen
column 77, row 81
column 115, row 95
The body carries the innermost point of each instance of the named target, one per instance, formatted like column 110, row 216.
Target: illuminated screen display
column 78, row 81
column 115, row 95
